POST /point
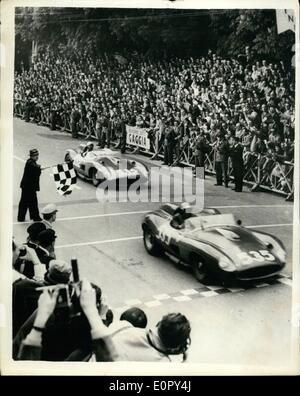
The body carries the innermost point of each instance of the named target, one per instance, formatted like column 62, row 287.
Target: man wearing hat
column 32, row 242
column 49, row 215
column 33, row 231
column 46, row 241
column 30, row 184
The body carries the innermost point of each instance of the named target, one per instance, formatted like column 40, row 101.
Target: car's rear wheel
column 93, row 174
column 150, row 243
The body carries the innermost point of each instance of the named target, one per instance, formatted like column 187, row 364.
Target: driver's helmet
column 90, row 146
column 185, row 208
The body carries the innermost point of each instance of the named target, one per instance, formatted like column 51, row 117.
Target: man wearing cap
column 30, row 184
column 49, row 215
column 25, row 295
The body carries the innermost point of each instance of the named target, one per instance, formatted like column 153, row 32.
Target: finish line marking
column 204, row 291
column 141, row 237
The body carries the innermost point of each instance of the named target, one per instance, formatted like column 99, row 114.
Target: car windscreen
column 210, row 221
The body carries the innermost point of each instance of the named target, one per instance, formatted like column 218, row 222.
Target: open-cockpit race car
column 104, row 165
column 214, row 245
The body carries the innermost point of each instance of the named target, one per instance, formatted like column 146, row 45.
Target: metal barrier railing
column 261, row 172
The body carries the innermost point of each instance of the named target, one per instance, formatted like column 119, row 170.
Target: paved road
column 229, row 326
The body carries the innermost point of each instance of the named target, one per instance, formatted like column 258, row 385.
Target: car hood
column 234, row 242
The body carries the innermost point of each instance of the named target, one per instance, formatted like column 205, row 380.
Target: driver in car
column 89, row 147
column 180, row 214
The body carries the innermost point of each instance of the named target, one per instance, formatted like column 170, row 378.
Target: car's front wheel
column 150, row 243
column 200, row 269
column 95, row 181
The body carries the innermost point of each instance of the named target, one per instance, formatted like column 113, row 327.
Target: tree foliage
column 154, row 32
column 257, row 29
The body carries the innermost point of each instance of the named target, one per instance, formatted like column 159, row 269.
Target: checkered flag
column 64, row 177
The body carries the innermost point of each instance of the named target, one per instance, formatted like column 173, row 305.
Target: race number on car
column 252, row 255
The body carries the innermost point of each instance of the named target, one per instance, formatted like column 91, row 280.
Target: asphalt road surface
column 232, row 326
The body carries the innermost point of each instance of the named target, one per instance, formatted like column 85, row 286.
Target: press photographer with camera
column 26, row 293
column 26, row 261
column 102, row 346
column 67, row 335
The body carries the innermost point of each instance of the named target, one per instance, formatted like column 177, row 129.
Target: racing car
column 216, row 246
column 104, row 165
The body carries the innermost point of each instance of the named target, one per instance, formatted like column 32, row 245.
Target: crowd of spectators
column 176, row 100
column 57, row 317
column 181, row 102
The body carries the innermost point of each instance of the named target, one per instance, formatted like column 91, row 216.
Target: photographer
column 31, row 347
column 26, row 261
column 25, row 293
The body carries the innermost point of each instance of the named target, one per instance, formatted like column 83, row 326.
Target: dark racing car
column 214, row 245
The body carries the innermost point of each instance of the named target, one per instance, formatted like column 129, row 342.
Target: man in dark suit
column 75, row 118
column 236, row 154
column 222, row 154
column 169, row 143
column 201, row 149
column 30, row 184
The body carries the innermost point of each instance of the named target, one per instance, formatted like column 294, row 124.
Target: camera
column 68, row 305
column 22, row 251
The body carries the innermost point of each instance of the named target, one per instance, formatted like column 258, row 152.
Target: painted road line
column 93, row 216
column 141, row 237
column 154, row 303
column 130, row 214
column 202, row 292
column 163, row 296
column 133, row 302
column 253, row 206
column 188, row 292
column 286, row 281
column 19, row 159
column 98, row 242
column 269, row 225
column 209, row 293
column 182, row 298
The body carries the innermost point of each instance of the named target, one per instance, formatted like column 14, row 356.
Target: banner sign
column 136, row 136
column 285, row 20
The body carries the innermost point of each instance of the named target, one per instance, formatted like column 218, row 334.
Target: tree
column 155, row 32
column 234, row 30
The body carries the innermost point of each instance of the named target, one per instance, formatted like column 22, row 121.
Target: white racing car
column 104, row 165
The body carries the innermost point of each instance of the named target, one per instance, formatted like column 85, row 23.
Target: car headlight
column 226, row 264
